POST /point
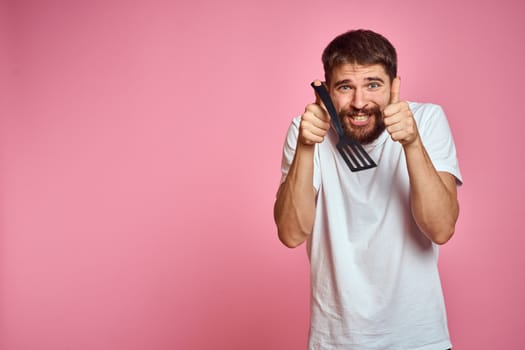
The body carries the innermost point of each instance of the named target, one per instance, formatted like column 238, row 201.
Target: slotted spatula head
column 352, row 151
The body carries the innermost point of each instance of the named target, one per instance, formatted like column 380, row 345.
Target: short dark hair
column 363, row 47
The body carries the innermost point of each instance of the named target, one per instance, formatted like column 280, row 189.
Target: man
column 372, row 236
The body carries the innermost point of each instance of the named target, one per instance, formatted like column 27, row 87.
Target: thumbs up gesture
column 315, row 122
column 399, row 120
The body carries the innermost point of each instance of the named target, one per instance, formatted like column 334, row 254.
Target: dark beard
column 360, row 133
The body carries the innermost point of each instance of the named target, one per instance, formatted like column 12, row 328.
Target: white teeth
column 360, row 117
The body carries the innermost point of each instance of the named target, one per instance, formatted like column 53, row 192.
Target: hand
column 399, row 120
column 315, row 122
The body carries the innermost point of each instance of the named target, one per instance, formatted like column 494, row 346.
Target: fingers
column 315, row 121
column 311, row 136
column 400, row 123
column 399, row 119
column 312, row 129
column 315, row 117
column 394, row 109
column 404, row 132
column 395, row 106
column 395, row 90
column 320, row 112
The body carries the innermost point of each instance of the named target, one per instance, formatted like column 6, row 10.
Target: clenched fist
column 399, row 120
column 315, row 122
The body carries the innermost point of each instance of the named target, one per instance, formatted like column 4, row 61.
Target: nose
column 358, row 100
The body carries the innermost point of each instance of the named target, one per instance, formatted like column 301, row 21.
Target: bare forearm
column 294, row 209
column 433, row 195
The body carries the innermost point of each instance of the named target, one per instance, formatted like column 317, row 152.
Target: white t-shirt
column 374, row 276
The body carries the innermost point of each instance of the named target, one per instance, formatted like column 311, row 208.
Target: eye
column 344, row 88
column 373, row 85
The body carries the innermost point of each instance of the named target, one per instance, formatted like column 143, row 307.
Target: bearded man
column 372, row 236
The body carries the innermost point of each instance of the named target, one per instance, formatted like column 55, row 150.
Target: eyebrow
column 368, row 79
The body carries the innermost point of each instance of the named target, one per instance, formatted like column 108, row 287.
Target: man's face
column 360, row 94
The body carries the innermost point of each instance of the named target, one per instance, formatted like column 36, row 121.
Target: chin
column 368, row 133
column 368, row 136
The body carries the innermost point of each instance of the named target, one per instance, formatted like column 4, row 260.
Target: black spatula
column 353, row 153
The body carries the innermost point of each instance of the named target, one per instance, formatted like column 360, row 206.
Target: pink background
column 140, row 153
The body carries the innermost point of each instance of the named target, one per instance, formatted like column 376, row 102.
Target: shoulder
column 292, row 134
column 294, row 125
column 425, row 110
column 427, row 114
column 293, row 128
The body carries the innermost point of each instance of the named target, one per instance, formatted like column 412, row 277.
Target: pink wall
column 140, row 158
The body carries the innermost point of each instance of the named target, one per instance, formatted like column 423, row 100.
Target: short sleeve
column 289, row 147
column 437, row 138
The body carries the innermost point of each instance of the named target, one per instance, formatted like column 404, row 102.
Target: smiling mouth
column 359, row 119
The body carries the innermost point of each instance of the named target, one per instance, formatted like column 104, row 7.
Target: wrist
column 414, row 146
column 305, row 147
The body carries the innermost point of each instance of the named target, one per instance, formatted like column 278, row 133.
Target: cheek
column 340, row 102
column 381, row 100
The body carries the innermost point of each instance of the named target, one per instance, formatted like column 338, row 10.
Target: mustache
column 365, row 110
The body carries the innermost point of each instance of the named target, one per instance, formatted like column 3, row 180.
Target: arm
column 433, row 195
column 294, row 209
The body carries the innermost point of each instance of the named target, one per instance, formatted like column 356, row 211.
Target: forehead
column 358, row 72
